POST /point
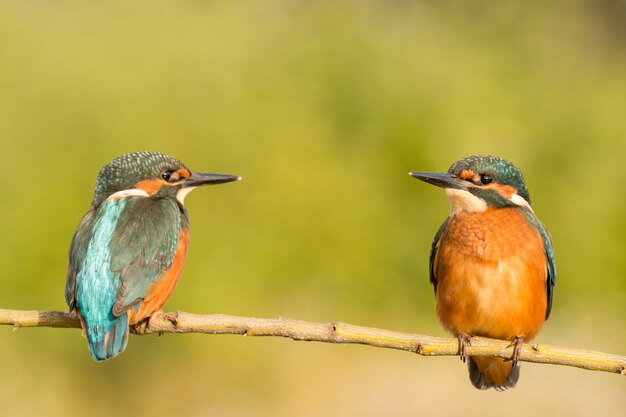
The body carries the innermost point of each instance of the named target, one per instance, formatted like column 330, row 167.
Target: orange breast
column 491, row 272
column 160, row 291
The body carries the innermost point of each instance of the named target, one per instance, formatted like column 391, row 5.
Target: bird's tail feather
column 106, row 345
column 488, row 372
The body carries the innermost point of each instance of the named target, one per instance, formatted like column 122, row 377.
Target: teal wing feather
column 143, row 246
column 92, row 285
column 549, row 249
column 78, row 250
column 433, row 254
column 549, row 252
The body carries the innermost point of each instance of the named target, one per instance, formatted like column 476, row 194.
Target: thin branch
column 180, row 322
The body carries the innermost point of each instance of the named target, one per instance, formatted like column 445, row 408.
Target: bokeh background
column 323, row 107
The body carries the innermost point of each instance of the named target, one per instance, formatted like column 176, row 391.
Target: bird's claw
column 464, row 340
column 517, row 344
column 141, row 327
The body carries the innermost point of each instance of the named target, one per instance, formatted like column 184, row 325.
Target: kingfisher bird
column 491, row 263
column 129, row 249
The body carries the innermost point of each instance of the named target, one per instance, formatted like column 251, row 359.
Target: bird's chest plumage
column 491, row 275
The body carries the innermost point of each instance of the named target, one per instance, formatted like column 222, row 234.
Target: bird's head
column 478, row 182
column 148, row 174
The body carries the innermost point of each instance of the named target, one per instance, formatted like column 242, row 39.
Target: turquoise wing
column 93, row 288
column 78, row 250
column 549, row 249
column 433, row 254
column 549, row 252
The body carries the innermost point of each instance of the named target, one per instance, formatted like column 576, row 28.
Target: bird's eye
column 486, row 179
column 166, row 175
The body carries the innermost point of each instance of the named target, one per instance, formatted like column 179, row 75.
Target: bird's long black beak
column 200, row 178
column 441, row 179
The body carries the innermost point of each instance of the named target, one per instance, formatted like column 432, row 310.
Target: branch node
column 172, row 317
column 333, row 328
column 536, row 347
column 419, row 349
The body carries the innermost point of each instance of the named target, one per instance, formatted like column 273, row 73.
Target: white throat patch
column 461, row 200
column 133, row 192
column 182, row 193
column 519, row 201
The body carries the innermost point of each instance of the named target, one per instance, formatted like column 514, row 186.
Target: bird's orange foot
column 517, row 349
column 464, row 340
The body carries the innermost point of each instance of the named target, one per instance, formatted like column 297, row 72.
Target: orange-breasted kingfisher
column 129, row 249
column 491, row 263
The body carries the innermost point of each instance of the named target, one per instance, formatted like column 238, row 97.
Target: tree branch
column 180, row 322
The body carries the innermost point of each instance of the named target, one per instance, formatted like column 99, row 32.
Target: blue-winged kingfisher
column 129, row 249
column 491, row 263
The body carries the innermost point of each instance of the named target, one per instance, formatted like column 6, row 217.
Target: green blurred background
column 323, row 107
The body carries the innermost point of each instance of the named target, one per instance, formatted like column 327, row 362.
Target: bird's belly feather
column 491, row 276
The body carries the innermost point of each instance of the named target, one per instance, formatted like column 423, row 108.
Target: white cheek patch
column 519, row 201
column 461, row 200
column 182, row 193
column 133, row 192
